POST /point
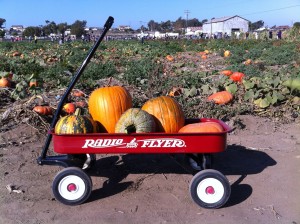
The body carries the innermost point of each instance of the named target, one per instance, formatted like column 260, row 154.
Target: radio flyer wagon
column 75, row 152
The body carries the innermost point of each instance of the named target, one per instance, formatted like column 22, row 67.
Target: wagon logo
column 144, row 143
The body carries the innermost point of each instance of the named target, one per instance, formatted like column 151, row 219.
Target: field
column 263, row 148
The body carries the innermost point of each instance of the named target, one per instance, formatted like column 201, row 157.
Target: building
column 229, row 25
column 17, row 28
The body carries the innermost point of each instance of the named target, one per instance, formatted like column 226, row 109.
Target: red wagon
column 76, row 152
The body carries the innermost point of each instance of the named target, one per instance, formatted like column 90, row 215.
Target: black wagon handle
column 108, row 24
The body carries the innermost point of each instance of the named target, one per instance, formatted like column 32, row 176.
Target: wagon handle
column 107, row 26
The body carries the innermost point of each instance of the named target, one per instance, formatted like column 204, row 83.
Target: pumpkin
column 237, row 76
column 222, row 97
column 167, row 113
column 33, row 82
column 77, row 93
column 204, row 56
column 227, row 53
column 226, row 72
column 107, row 104
column 247, row 62
column 135, row 120
column 75, row 124
column 169, row 58
column 202, row 127
column 43, row 110
column 69, row 108
column 4, row 82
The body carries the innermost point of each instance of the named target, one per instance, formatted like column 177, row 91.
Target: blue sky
column 137, row 13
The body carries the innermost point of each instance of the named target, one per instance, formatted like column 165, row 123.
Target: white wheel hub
column 210, row 190
column 71, row 187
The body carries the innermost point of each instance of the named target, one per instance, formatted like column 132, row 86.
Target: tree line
column 78, row 27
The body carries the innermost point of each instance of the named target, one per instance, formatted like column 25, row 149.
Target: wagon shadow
column 236, row 160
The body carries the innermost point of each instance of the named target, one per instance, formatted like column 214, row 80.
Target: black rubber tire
column 220, row 186
column 76, row 177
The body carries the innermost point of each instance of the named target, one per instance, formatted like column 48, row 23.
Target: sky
column 138, row 13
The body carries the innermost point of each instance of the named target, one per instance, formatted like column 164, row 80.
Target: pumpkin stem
column 130, row 129
column 77, row 111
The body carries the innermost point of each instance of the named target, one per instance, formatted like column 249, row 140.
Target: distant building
column 124, row 28
column 229, row 25
column 17, row 28
column 194, row 30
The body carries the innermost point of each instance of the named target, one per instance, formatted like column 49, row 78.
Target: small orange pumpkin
column 248, row 62
column 204, row 56
column 33, row 83
column 69, row 108
column 226, row 72
column 170, row 58
column 222, row 97
column 4, row 82
column 202, row 127
column 237, row 76
column 77, row 93
column 227, row 53
column 43, row 110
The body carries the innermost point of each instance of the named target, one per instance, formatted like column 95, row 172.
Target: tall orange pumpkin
column 202, row 127
column 167, row 113
column 107, row 104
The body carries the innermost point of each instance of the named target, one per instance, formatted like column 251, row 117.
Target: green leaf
column 262, row 103
column 205, row 89
column 193, row 91
column 232, row 88
column 248, row 84
column 249, row 95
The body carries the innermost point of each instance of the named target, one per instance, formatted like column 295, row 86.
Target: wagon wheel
column 72, row 186
column 210, row 189
column 200, row 161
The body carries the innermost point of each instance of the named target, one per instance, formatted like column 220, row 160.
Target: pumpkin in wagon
column 107, row 104
column 135, row 120
column 75, row 124
column 205, row 127
column 167, row 113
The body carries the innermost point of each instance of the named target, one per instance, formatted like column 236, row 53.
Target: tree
column 2, row 33
column 152, row 25
column 166, row 26
column 296, row 25
column 51, row 27
column 77, row 28
column 194, row 22
column 31, row 31
column 61, row 27
column 179, row 24
column 256, row 25
column 2, row 21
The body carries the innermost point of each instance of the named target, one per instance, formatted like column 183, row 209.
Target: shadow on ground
column 236, row 160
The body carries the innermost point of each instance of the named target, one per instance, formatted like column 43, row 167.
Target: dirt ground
column 262, row 163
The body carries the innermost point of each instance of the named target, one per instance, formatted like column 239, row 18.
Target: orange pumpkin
column 222, row 97
column 107, row 104
column 202, row 127
column 77, row 93
column 237, row 76
column 227, row 53
column 204, row 56
column 169, row 58
column 43, row 110
column 69, row 108
column 248, row 62
column 33, row 83
column 4, row 82
column 167, row 113
column 226, row 72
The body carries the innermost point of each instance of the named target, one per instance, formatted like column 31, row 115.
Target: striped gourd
column 75, row 124
column 135, row 120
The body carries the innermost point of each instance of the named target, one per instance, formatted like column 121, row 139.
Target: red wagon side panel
column 102, row 143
